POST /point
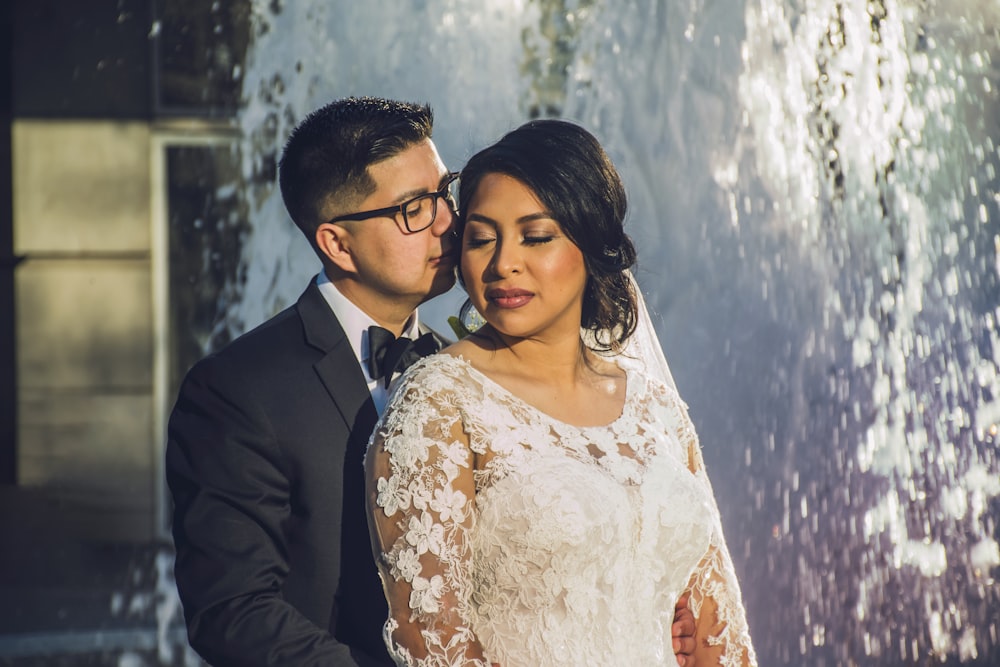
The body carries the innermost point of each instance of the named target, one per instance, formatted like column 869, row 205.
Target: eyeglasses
column 419, row 213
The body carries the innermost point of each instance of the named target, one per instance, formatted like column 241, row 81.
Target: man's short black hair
column 328, row 154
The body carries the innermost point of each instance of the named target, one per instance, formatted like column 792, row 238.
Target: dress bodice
column 543, row 542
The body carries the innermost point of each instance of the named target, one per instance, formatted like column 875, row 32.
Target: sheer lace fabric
column 503, row 535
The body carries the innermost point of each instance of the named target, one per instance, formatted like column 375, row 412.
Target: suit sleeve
column 232, row 503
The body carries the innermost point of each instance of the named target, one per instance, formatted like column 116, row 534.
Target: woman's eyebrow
column 541, row 215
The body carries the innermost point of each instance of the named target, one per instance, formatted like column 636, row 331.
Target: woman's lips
column 509, row 298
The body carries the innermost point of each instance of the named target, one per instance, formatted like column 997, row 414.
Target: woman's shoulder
column 469, row 347
column 432, row 365
column 441, row 373
column 650, row 387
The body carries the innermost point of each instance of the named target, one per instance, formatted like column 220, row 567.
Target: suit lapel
column 338, row 369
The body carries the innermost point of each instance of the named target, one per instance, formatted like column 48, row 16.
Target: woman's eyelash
column 474, row 242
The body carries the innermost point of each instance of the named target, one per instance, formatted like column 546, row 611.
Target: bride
column 536, row 491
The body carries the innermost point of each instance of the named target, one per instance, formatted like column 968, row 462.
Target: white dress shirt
column 355, row 323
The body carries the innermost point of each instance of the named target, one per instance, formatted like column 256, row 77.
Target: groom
column 266, row 440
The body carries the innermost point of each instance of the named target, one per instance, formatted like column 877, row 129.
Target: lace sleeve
column 419, row 472
column 721, row 633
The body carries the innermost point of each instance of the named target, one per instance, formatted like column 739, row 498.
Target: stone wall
column 84, row 322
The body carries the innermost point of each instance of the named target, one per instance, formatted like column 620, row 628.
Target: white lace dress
column 545, row 543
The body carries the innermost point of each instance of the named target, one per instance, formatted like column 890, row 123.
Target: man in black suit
column 265, row 443
column 266, row 440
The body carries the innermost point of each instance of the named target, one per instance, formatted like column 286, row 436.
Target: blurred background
column 813, row 187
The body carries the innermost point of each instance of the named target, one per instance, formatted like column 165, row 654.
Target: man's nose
column 444, row 219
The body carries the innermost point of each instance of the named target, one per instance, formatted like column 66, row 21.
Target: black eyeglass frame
column 391, row 211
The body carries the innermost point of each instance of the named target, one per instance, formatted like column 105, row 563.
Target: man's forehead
column 420, row 154
column 414, row 168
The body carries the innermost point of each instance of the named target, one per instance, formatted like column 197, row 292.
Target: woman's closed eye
column 479, row 241
column 533, row 239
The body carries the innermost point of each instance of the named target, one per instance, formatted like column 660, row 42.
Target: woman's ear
column 334, row 242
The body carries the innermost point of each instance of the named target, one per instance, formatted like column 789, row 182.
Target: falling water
column 814, row 188
column 872, row 128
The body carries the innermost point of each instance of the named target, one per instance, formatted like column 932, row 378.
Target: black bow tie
column 388, row 355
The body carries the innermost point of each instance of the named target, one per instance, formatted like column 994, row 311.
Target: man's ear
column 334, row 241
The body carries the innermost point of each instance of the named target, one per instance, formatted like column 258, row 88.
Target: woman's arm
column 421, row 491
column 722, row 636
column 721, row 633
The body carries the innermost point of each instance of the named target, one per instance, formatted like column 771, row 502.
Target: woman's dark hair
column 328, row 154
column 569, row 172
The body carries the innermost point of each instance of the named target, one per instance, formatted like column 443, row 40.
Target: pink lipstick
column 509, row 298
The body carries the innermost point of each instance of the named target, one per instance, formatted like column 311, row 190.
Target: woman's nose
column 506, row 259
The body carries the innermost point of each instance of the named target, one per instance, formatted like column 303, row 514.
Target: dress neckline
column 629, row 376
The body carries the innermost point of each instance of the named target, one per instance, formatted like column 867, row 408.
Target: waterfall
column 814, row 191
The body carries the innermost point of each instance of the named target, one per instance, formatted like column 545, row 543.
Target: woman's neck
column 561, row 378
column 557, row 361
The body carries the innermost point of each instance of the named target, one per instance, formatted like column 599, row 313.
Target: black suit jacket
column 265, row 463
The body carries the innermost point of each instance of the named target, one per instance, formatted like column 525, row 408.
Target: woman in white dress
column 537, row 495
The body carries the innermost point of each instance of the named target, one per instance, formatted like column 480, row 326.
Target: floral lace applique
column 504, row 535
